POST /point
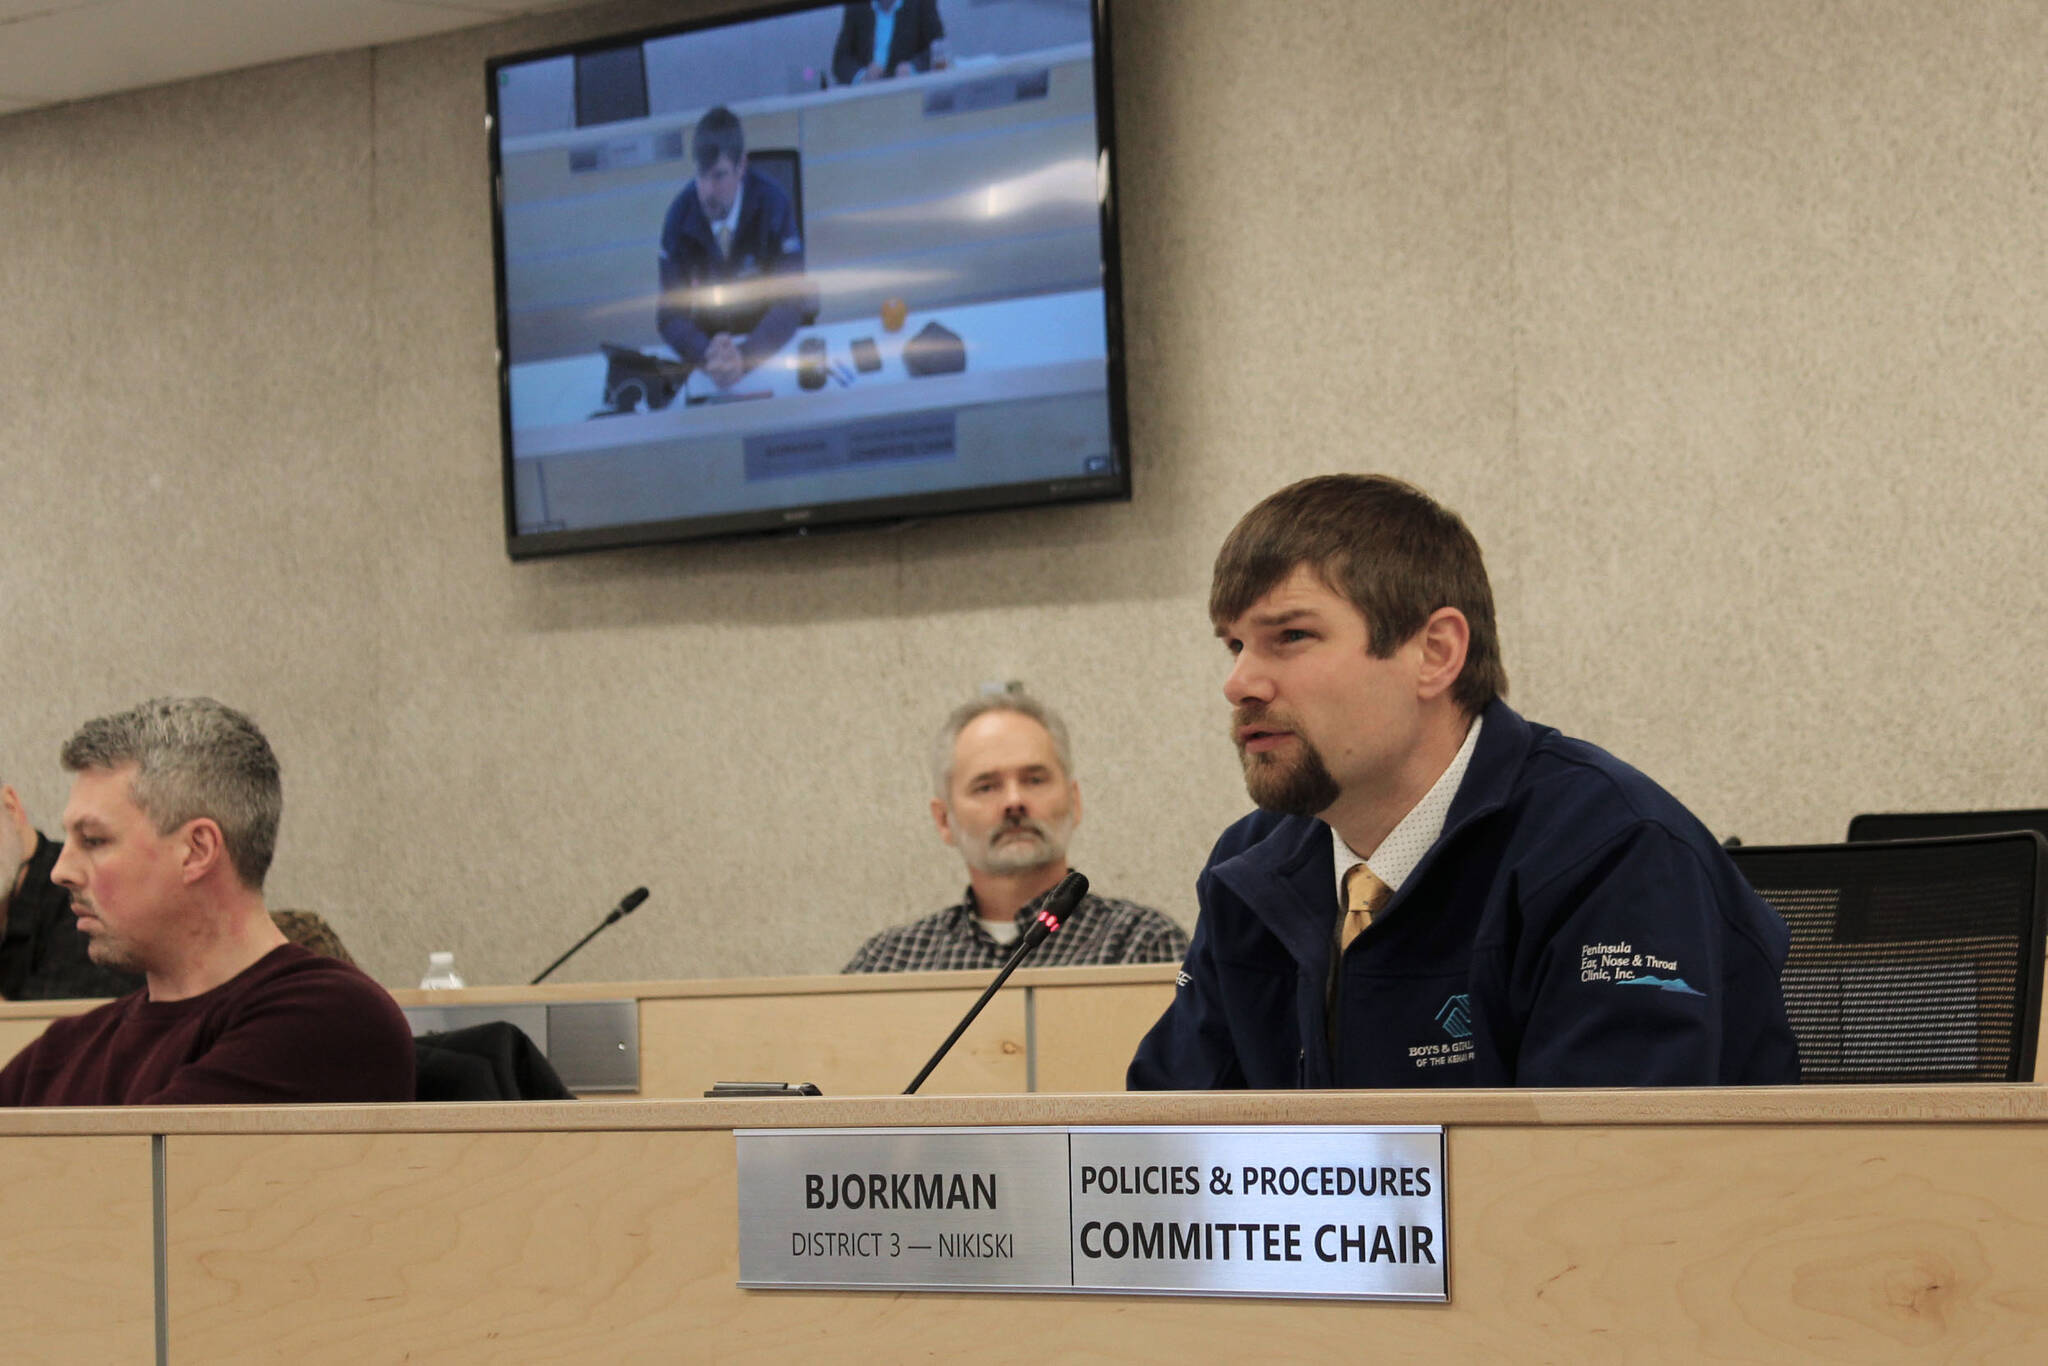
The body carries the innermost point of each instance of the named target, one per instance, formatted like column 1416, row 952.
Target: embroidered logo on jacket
column 1623, row 965
column 1454, row 1017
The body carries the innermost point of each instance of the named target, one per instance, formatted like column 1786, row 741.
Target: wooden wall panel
column 17, row 1034
column 465, row 1248
column 77, row 1270
column 1866, row 1243
column 1085, row 1035
column 867, row 1043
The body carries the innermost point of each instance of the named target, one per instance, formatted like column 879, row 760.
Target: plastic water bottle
column 441, row 974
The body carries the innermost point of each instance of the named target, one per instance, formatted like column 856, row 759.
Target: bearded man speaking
column 1436, row 892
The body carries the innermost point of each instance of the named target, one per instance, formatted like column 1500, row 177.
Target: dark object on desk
column 633, row 378
column 748, row 1090
column 494, row 1061
column 1911, row 960
column 867, row 357
column 935, row 351
column 810, row 363
column 1918, row 825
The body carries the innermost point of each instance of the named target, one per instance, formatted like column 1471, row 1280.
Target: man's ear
column 944, row 820
column 1445, row 638
column 205, row 848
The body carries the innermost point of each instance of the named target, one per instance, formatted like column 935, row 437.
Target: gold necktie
column 1364, row 895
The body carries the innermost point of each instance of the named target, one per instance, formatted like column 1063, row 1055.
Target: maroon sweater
column 293, row 1027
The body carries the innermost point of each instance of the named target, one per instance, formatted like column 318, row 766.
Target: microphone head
column 632, row 901
column 1060, row 904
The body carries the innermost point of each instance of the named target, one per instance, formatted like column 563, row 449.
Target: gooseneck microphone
column 628, row 904
column 1058, row 906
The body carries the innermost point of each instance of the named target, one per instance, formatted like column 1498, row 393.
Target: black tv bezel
column 836, row 516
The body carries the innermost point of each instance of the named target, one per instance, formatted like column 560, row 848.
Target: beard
column 1297, row 785
column 1020, row 846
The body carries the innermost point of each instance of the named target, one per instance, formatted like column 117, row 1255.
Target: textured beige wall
column 1718, row 320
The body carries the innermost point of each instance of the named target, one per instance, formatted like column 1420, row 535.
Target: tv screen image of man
column 732, row 259
column 879, row 39
column 1004, row 795
column 169, row 833
column 1530, row 911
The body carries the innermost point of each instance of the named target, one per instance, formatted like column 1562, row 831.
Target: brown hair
column 1393, row 551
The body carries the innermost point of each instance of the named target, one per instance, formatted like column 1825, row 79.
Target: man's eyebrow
column 1266, row 620
column 999, row 770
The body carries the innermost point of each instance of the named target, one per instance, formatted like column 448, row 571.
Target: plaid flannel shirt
column 1100, row 930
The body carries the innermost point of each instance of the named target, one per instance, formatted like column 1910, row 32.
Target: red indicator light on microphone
column 1049, row 920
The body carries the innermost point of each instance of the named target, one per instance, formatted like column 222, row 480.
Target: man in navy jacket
column 1530, row 911
column 914, row 25
column 732, row 259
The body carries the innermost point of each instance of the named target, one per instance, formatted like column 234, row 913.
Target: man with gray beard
column 1005, row 797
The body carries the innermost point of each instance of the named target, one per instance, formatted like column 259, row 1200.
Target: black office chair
column 1916, row 825
column 1911, row 960
column 784, row 166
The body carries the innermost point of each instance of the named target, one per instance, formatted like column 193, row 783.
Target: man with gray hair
column 170, row 829
column 1004, row 795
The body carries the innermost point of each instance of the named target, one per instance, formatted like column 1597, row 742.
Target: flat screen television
column 754, row 276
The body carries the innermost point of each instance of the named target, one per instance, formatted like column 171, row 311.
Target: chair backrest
column 1911, row 960
column 1916, row 825
column 785, row 167
column 310, row 930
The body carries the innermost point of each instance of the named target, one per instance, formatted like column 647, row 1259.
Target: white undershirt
column 1408, row 841
column 1004, row 932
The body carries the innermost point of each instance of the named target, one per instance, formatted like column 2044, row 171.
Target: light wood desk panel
column 1084, row 1036
column 1849, row 1244
column 77, row 1271
column 867, row 1043
column 867, row 1034
column 1852, row 1224
column 447, row 1247
column 21, row 1031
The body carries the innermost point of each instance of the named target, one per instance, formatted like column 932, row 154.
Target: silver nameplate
column 905, row 1209
column 1316, row 1211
